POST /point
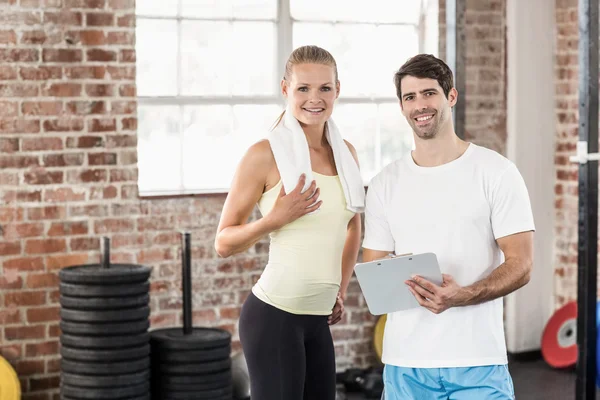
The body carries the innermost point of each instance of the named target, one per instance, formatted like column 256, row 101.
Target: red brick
column 84, row 244
column 126, row 21
column 25, row 332
column 62, row 55
column 127, row 91
column 9, row 109
column 101, row 55
column 48, row 212
column 42, row 73
column 89, row 211
column 11, row 214
column 127, row 56
column 24, row 264
column 9, row 316
column 46, row 143
column 30, row 367
column 45, row 246
column 102, row 158
column 100, row 90
column 44, row 348
column 95, row 4
column 46, row 280
column 10, row 281
column 91, row 37
column 42, row 107
column 43, row 177
column 87, row 72
column 62, row 90
column 100, row 19
column 18, row 161
column 9, row 248
column 123, row 107
column 19, row 90
column 24, row 196
column 8, row 72
column 63, row 160
column 68, row 228
column 121, row 141
column 12, row 352
column 163, row 320
column 87, row 176
column 53, row 331
column 19, row 55
column 122, row 4
column 8, row 37
column 229, row 313
column 9, row 179
column 34, row 37
column 24, row 298
column 85, row 142
column 63, row 18
column 84, row 107
column 123, row 175
column 102, row 125
column 19, row 126
column 53, row 365
column 113, row 225
column 45, row 383
column 121, row 38
column 64, row 125
column 56, row 262
column 9, row 145
column 103, row 193
column 26, row 230
column 62, row 195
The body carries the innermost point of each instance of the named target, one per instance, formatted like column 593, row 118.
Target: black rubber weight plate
column 168, row 387
column 199, row 339
column 104, row 303
column 129, row 314
column 195, row 369
column 75, row 290
column 223, row 377
column 105, row 368
column 97, row 274
column 200, row 395
column 104, row 329
column 198, row 356
column 114, row 393
column 98, row 381
column 104, row 355
column 104, row 342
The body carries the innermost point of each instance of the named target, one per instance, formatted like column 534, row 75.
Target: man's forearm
column 505, row 279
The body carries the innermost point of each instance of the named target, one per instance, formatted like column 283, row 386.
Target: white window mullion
column 284, row 42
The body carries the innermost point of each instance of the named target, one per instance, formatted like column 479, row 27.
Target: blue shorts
column 490, row 382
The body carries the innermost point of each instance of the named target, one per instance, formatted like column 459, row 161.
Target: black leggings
column 289, row 356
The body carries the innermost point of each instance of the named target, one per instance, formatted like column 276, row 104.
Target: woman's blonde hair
column 306, row 55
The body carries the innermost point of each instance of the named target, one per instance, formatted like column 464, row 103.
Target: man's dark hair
column 425, row 66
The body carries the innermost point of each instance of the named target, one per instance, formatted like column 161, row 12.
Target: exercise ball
column 240, row 377
column 378, row 335
column 10, row 387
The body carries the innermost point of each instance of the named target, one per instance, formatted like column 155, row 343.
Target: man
column 469, row 206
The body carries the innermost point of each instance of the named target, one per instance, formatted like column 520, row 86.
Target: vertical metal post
column 186, row 282
column 588, row 201
column 456, row 59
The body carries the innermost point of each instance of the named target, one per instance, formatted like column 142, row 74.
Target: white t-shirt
column 456, row 211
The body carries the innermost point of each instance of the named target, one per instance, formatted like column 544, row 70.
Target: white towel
column 292, row 156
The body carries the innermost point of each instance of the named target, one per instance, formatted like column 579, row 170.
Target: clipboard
column 382, row 281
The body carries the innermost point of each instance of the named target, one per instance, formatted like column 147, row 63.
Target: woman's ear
column 284, row 88
column 337, row 89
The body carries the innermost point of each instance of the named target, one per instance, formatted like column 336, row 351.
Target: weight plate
column 76, row 290
column 10, row 387
column 96, row 274
column 198, row 395
column 195, row 356
column 112, row 393
column 100, row 381
column 129, row 314
column 103, row 342
column 105, row 368
column 104, row 303
column 104, row 355
column 195, row 369
column 221, row 377
column 198, row 339
column 104, row 329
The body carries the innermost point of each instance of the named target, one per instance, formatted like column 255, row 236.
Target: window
column 208, row 74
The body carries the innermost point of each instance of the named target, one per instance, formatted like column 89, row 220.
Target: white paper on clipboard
column 382, row 281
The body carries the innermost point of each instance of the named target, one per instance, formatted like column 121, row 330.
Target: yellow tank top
column 304, row 270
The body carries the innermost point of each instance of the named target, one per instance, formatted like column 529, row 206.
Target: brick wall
column 566, row 215
column 485, row 52
column 68, row 177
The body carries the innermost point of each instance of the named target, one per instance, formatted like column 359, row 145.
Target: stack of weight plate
column 104, row 341
column 192, row 366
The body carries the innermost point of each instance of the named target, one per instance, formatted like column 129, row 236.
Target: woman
column 315, row 238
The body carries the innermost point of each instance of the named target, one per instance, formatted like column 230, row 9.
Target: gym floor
column 534, row 380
